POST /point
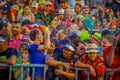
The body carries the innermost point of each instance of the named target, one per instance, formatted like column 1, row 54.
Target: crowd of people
column 63, row 34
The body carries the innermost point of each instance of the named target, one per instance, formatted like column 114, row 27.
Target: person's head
column 53, row 43
column 5, row 8
column 78, row 8
column 86, row 9
column 20, row 3
column 34, row 7
column 76, row 21
column 61, row 34
column 48, row 6
column 104, row 21
column 64, row 4
column 24, row 50
column 75, row 36
column 68, row 51
column 105, row 42
column 61, row 14
column 27, row 9
column 4, row 42
column 68, row 14
column 92, row 51
column 3, row 25
column 96, row 38
column 16, row 28
column 36, row 35
column 81, row 48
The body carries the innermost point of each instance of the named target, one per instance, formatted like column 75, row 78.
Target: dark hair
column 24, row 46
column 16, row 21
column 3, row 22
column 106, row 32
column 26, row 21
column 78, row 4
column 33, row 33
column 6, row 37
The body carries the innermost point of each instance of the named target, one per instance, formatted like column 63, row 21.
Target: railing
column 33, row 66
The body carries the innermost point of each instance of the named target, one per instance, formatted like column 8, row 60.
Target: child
column 37, row 48
column 22, row 59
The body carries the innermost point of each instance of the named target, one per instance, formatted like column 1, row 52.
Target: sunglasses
column 86, row 7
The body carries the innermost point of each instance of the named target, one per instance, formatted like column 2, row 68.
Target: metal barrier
column 43, row 65
column 24, row 65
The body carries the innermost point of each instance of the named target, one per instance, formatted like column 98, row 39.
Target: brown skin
column 12, row 60
column 16, row 30
column 77, row 9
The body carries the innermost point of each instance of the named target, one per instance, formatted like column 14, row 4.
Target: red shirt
column 98, row 65
column 115, row 64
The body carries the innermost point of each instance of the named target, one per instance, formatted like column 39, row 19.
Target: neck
column 46, row 12
column 36, row 42
column 26, row 14
column 62, row 37
column 16, row 36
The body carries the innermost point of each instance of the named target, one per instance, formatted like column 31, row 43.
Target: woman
column 27, row 14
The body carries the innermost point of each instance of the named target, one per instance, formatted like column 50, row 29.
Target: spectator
column 78, row 9
column 46, row 15
column 111, row 55
column 66, row 56
column 3, row 25
column 16, row 35
column 23, row 58
column 7, row 56
column 6, row 12
column 93, row 62
column 27, row 14
column 34, row 7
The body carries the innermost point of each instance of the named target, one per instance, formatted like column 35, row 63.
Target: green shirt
column 48, row 18
column 16, row 68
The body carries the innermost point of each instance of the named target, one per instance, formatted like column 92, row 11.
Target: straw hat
column 92, row 48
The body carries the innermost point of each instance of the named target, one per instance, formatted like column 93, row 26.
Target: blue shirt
column 37, row 57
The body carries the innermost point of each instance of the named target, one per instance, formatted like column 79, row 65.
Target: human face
column 92, row 56
column 52, row 48
column 86, row 9
column 24, row 55
column 61, row 16
column 3, row 45
column 77, row 9
column 67, row 53
column 39, row 37
column 16, row 29
column 81, row 48
column 105, row 42
column 26, row 9
column 48, row 7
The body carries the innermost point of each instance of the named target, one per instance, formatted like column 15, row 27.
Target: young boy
column 22, row 59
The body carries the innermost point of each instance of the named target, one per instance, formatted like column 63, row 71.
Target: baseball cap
column 75, row 33
column 70, row 47
column 63, row 0
column 6, row 7
column 34, row 4
column 48, row 3
column 61, row 11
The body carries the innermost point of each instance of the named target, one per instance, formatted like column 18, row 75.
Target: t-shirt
column 115, row 64
column 26, row 69
column 4, row 71
column 37, row 57
column 22, row 17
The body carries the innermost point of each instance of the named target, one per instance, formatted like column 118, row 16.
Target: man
column 17, row 36
column 7, row 56
column 92, row 61
column 112, row 55
column 66, row 57
column 20, row 3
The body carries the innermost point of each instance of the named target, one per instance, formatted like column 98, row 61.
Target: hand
column 92, row 71
column 28, row 78
column 58, row 72
column 67, row 67
column 111, row 73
